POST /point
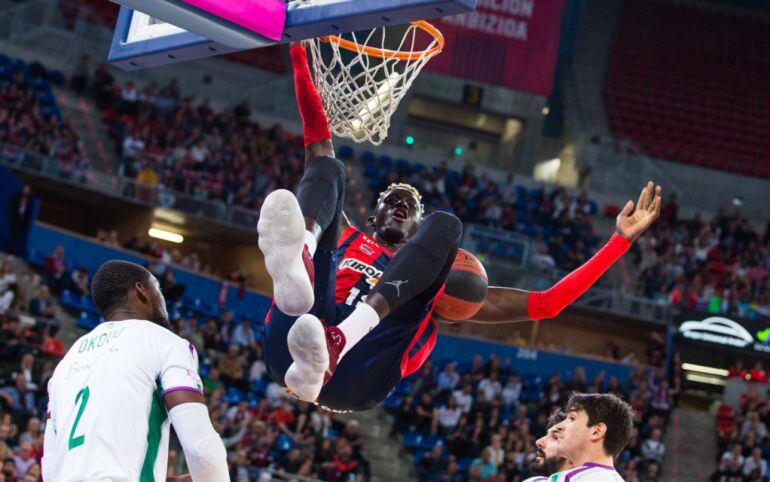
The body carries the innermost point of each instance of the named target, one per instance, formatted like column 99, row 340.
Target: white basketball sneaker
column 315, row 349
column 281, row 230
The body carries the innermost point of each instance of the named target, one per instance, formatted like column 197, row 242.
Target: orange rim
column 390, row 54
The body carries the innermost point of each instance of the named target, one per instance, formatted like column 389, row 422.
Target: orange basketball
column 466, row 289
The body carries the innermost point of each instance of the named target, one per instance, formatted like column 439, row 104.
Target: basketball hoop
column 361, row 82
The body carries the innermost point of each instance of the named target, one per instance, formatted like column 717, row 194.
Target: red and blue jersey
column 361, row 262
column 395, row 348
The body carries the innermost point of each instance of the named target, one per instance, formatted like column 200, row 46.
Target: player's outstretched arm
column 203, row 448
column 511, row 305
column 318, row 138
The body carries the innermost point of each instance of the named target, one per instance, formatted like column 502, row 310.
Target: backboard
column 158, row 32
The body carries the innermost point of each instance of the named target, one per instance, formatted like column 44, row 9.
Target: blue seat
column 528, row 229
column 404, row 387
column 427, row 443
column 5, row 60
column 259, row 386
column 393, row 402
column 418, row 456
column 385, row 161
column 36, row 257
column 42, row 84
column 67, row 298
column 45, row 98
column 403, row 165
column 19, row 64
column 531, row 379
column 346, row 152
column 766, row 450
column 367, row 156
column 371, row 170
column 417, row 167
column 204, row 370
column 463, row 367
column 57, row 78
column 87, row 321
column 234, row 396
column 412, row 440
column 536, row 194
column 284, row 443
column 465, row 464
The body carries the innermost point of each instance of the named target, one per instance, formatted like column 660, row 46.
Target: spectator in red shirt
column 283, row 417
column 343, row 468
column 55, row 269
column 758, row 373
column 737, row 370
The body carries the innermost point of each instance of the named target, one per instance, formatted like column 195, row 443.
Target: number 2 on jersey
column 78, row 441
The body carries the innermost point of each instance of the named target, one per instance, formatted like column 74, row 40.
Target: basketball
column 466, row 288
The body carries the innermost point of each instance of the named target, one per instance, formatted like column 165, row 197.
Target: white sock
column 310, row 242
column 363, row 320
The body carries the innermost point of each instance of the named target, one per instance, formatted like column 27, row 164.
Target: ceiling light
column 166, row 235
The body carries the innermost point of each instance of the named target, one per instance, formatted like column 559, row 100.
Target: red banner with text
column 511, row 43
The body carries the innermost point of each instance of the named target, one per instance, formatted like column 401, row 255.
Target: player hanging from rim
column 547, row 461
column 112, row 396
column 596, row 430
column 376, row 294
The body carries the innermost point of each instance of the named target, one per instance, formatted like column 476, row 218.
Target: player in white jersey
column 117, row 390
column 547, row 461
column 597, row 429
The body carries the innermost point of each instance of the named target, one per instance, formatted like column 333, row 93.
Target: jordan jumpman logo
column 397, row 284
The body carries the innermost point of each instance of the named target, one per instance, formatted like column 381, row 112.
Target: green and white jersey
column 106, row 403
column 589, row 472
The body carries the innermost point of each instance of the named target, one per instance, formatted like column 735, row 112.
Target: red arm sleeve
column 549, row 303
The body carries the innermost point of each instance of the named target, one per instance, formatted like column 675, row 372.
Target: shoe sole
column 307, row 345
column 281, row 230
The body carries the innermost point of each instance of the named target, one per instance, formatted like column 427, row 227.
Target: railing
column 22, row 24
column 619, row 302
column 127, row 189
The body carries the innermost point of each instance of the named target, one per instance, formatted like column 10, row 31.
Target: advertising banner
column 726, row 331
column 510, row 43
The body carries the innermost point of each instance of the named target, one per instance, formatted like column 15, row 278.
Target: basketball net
column 361, row 82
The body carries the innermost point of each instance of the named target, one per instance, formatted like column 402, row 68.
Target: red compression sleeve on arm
column 549, row 303
column 309, row 102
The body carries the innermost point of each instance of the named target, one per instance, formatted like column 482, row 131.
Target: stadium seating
column 534, row 401
column 692, row 88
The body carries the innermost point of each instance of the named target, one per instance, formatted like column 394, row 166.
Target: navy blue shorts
column 371, row 369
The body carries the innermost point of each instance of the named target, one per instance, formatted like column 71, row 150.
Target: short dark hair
column 556, row 418
column 610, row 410
column 112, row 283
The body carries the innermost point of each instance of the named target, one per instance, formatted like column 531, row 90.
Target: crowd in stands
column 30, row 118
column 743, row 442
column 478, row 421
column 181, row 144
column 721, row 266
column 29, row 351
column 267, row 433
column 561, row 224
column 264, row 429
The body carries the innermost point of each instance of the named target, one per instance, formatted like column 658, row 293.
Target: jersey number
column 353, row 296
column 82, row 395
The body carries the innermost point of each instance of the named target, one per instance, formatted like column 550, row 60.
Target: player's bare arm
column 344, row 222
column 506, row 305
